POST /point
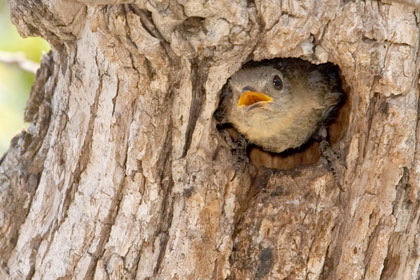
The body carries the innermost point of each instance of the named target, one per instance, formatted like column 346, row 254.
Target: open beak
column 249, row 98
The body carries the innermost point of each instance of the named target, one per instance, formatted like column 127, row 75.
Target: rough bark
column 123, row 174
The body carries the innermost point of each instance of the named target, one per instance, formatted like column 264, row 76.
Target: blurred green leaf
column 15, row 84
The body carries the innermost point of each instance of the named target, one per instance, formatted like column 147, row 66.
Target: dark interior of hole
column 308, row 153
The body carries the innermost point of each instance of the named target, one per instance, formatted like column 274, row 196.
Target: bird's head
column 259, row 89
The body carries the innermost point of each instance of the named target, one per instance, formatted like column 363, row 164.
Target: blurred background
column 15, row 83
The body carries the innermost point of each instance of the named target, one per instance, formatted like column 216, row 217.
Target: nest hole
column 308, row 153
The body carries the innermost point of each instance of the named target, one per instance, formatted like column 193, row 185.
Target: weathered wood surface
column 123, row 174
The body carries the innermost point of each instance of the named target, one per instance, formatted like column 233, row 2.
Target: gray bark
column 122, row 173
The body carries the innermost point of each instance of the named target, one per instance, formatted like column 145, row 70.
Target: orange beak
column 251, row 97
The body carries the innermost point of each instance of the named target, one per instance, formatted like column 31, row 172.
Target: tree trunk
column 122, row 173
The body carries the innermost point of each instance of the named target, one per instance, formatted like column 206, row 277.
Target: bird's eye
column 277, row 82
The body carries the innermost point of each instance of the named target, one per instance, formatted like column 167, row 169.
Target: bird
column 280, row 105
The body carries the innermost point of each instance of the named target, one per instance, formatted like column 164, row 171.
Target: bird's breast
column 275, row 133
